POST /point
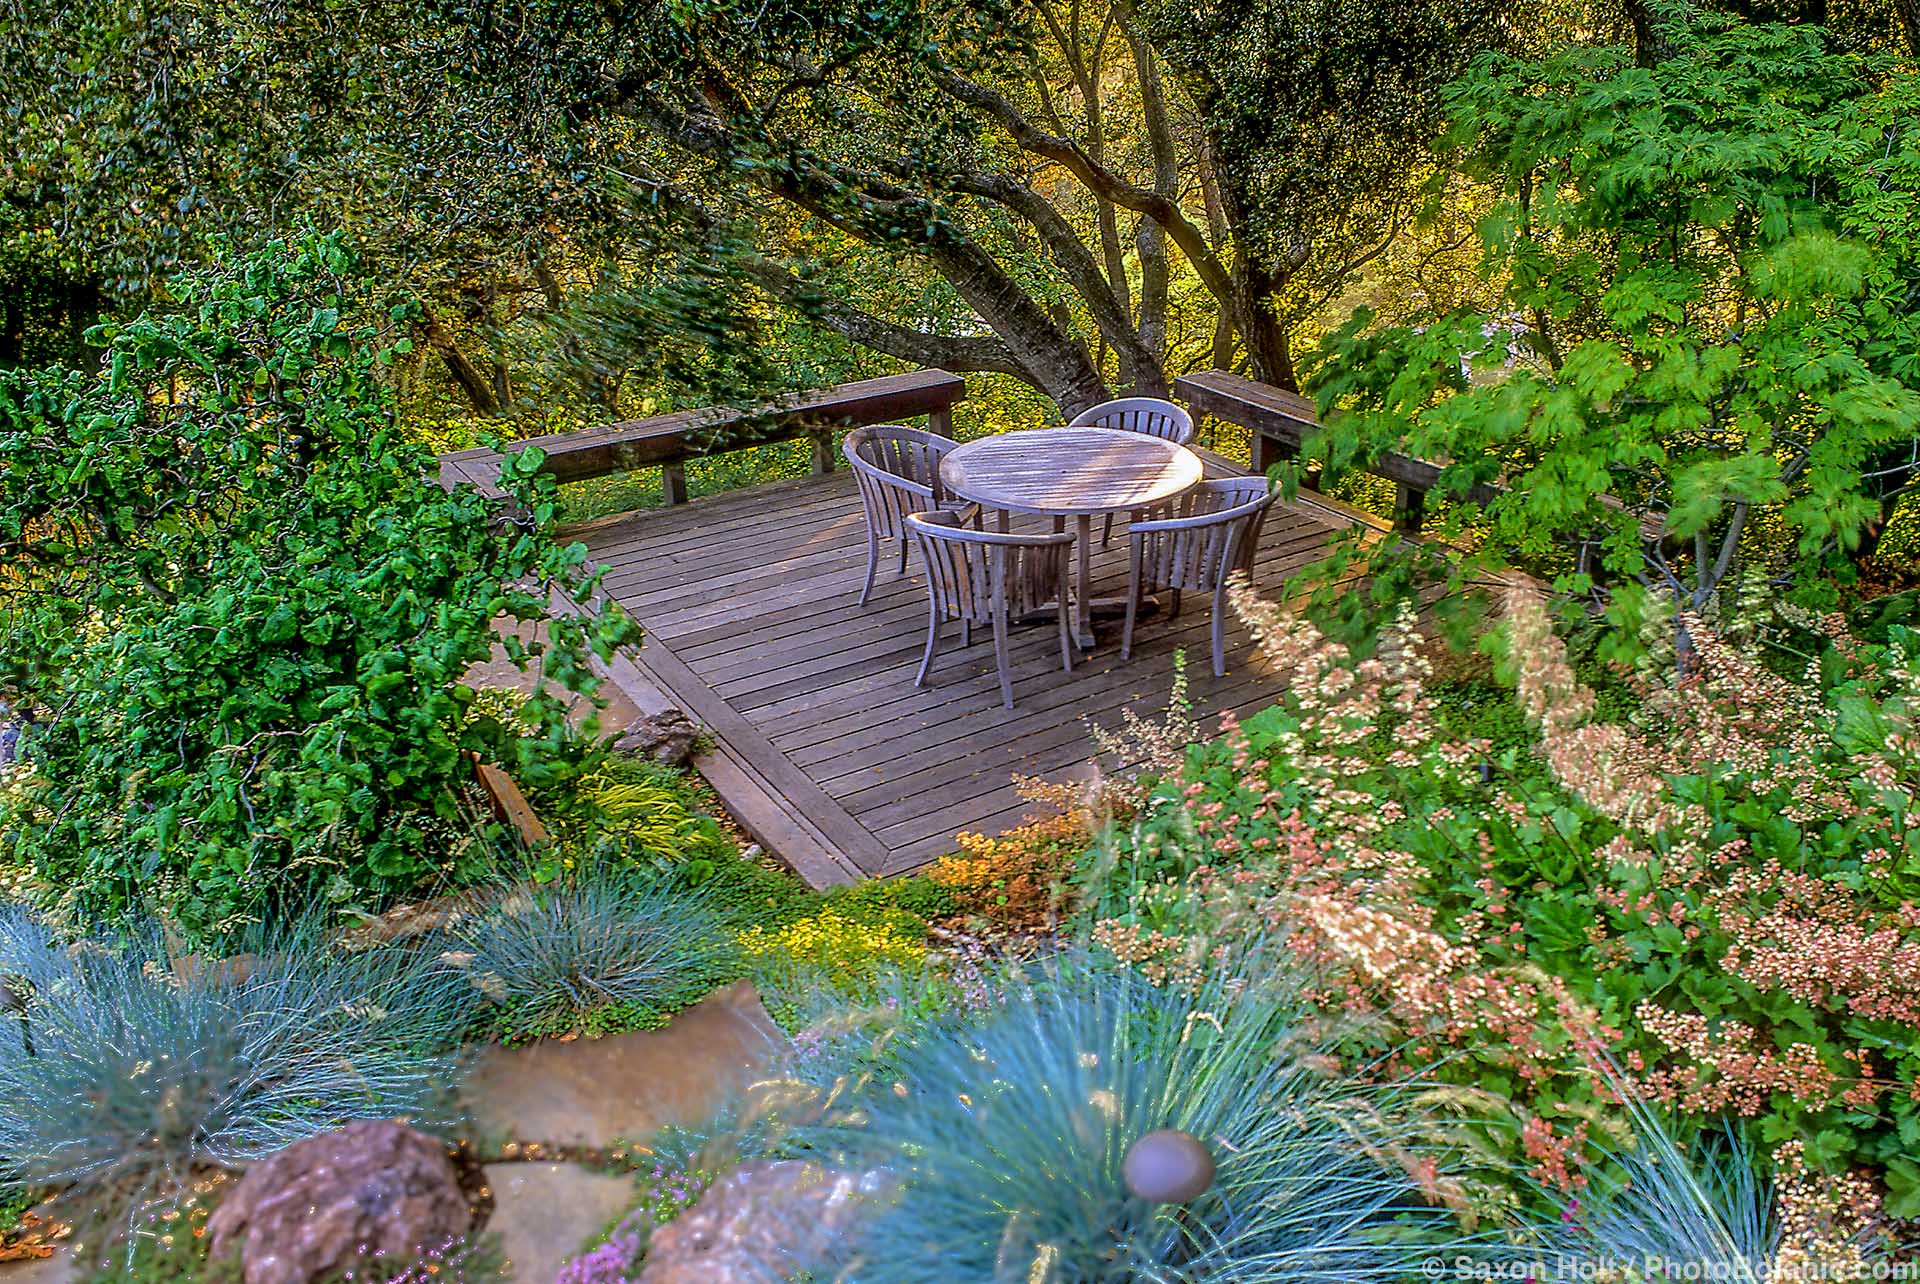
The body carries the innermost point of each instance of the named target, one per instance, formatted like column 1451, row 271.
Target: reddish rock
column 764, row 1221
column 372, row 1190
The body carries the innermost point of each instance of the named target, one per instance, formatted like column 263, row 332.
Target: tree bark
column 881, row 214
column 1063, row 244
column 1098, row 179
column 1217, row 225
column 472, row 380
column 949, row 352
column 1150, row 238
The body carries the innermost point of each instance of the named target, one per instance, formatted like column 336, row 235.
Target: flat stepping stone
column 544, row 1214
column 593, row 1092
column 58, row 1269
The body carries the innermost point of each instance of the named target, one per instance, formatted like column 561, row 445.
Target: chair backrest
column 969, row 570
column 898, row 472
column 1196, row 540
column 1149, row 415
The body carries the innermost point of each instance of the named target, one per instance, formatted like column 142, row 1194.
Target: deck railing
column 1282, row 421
column 668, row 441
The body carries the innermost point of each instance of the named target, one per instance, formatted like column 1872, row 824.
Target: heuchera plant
column 1718, row 897
column 241, row 607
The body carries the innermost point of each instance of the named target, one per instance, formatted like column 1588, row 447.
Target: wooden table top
column 1069, row 471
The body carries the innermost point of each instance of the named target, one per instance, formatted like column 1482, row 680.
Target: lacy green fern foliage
column 1008, row 1138
column 133, row 1070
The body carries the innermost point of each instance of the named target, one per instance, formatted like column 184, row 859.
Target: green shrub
column 244, row 608
column 1705, row 266
column 625, row 809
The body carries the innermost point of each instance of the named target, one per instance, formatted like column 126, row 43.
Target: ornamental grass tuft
column 1007, row 1140
column 127, row 1070
column 606, row 947
column 1683, row 1207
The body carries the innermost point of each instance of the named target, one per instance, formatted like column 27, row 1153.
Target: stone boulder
column 668, row 737
column 765, row 1221
column 374, row 1190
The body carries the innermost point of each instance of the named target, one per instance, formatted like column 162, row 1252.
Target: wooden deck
column 824, row 747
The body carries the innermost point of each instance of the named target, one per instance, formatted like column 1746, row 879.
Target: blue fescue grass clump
column 130, row 1070
column 1006, row 1139
column 1663, row 1206
column 606, row 948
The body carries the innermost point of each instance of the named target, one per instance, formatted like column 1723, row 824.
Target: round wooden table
column 1078, row 473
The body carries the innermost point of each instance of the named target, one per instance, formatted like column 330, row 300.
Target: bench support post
column 823, row 451
column 1409, row 508
column 941, row 421
column 673, row 482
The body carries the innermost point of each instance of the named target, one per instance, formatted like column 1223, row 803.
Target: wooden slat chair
column 898, row 471
column 1148, row 415
column 989, row 577
column 1195, row 543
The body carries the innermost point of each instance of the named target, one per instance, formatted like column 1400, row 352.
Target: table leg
column 1083, row 581
column 1003, row 520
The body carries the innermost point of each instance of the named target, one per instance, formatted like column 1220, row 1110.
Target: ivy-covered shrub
column 1721, row 895
column 241, row 608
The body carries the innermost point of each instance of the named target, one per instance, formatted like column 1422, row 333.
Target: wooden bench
column 1282, row 421
column 668, row 441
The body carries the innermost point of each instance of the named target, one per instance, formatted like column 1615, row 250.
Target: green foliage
column 244, row 608
column 14, row 1202
column 1321, row 120
column 627, row 810
column 1709, row 314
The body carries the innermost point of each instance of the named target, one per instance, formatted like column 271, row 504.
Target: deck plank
column 748, row 605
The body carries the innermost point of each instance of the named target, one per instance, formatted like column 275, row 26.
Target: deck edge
column 752, row 802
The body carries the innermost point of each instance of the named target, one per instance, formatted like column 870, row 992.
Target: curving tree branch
column 959, row 353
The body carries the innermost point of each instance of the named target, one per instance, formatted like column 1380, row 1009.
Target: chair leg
column 933, row 643
column 966, row 632
column 1219, row 641
column 873, row 563
column 1174, row 609
column 1063, row 613
column 1133, row 598
column 1106, row 532
column 1000, row 656
column 903, row 555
